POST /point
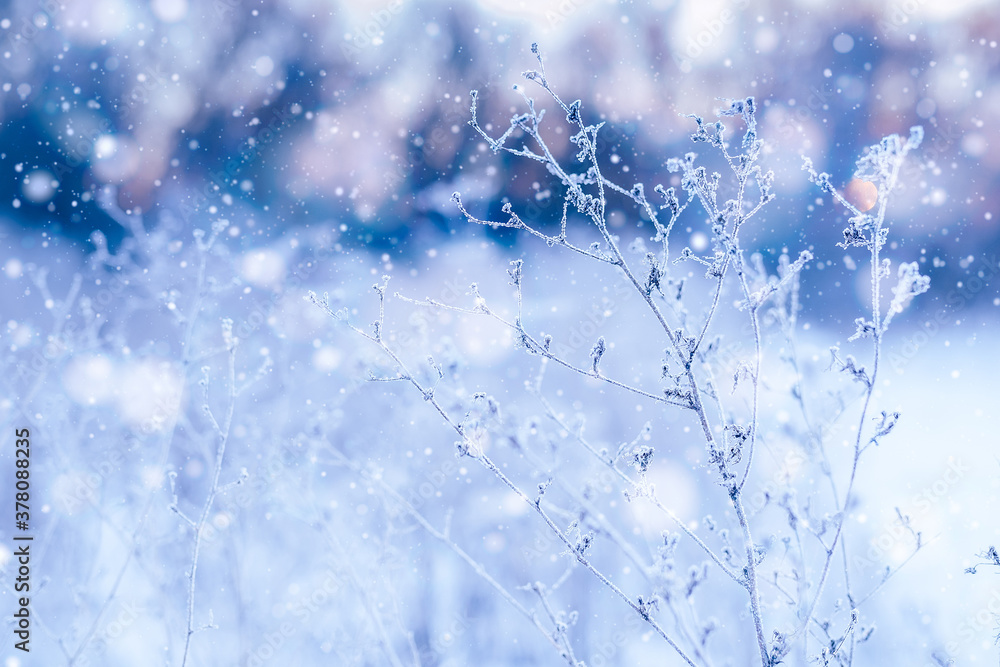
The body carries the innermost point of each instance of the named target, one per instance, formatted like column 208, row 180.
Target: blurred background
column 302, row 113
column 330, row 136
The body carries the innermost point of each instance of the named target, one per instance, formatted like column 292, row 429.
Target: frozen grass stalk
column 693, row 355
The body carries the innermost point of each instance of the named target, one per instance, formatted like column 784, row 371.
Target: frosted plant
column 768, row 564
column 989, row 559
column 141, row 544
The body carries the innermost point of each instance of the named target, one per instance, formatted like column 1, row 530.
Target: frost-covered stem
column 642, row 201
column 597, row 215
column 712, row 308
column 407, row 633
column 476, row 566
column 222, row 434
column 186, row 357
column 742, row 174
column 752, row 584
column 711, row 207
column 614, row 535
column 486, row 462
column 602, row 522
column 711, row 390
column 831, row 548
column 754, row 319
column 755, row 323
column 370, row 607
column 825, row 465
column 536, row 347
column 698, row 406
column 717, row 296
column 516, row 222
column 817, row 435
column 735, row 494
column 598, row 219
column 876, row 278
column 563, row 638
column 887, row 577
column 752, row 581
column 682, row 628
column 652, row 496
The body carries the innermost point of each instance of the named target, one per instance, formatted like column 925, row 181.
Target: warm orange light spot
column 863, row 194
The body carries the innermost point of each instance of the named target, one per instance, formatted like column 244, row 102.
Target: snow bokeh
column 181, row 180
